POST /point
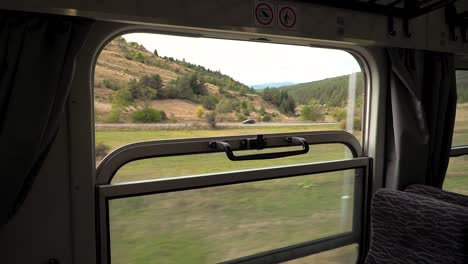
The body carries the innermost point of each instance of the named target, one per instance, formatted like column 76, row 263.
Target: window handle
column 223, row 146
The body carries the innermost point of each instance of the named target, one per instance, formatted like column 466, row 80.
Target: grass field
column 218, row 224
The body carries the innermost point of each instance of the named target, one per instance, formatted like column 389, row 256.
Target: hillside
column 332, row 92
column 129, row 79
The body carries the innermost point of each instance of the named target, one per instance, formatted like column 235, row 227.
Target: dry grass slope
column 115, row 66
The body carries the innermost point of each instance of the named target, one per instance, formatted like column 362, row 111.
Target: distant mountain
column 271, row 85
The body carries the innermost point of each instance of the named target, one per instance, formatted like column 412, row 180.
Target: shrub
column 135, row 56
column 120, row 40
column 267, row 118
column 262, row 111
column 114, row 115
column 121, row 100
column 225, row 106
column 210, row 118
column 312, row 111
column 101, row 150
column 209, row 102
column 146, row 88
column 187, row 86
column 111, row 84
column 199, row 111
column 147, row 115
column 241, row 117
column 338, row 113
column 356, row 124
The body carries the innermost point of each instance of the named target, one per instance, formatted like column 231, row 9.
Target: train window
column 457, row 173
column 151, row 86
column 203, row 153
column 218, row 224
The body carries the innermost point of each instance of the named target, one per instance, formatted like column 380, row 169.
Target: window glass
column 157, row 87
column 151, row 87
column 456, row 179
column 460, row 134
column 222, row 223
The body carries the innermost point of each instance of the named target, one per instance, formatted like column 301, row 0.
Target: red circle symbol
column 264, row 14
column 287, row 17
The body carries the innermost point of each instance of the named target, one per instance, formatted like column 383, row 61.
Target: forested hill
column 132, row 84
column 332, row 92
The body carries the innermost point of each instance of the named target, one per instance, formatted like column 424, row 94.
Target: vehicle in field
column 248, row 121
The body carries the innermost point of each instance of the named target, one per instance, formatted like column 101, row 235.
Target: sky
column 252, row 63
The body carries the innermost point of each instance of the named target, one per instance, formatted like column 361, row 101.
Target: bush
column 262, row 111
column 225, row 106
column 267, row 118
column 241, row 117
column 111, row 84
column 121, row 100
column 356, row 124
column 147, row 115
column 210, row 118
column 209, row 102
column 338, row 113
column 101, row 150
column 199, row 111
column 146, row 88
column 312, row 111
column 188, row 86
column 114, row 115
column 135, row 56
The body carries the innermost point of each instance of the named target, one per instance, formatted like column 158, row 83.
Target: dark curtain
column 420, row 117
column 37, row 63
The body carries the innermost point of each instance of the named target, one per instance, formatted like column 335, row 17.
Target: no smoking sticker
column 264, row 14
column 287, row 17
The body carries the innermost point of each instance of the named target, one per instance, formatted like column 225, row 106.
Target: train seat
column 429, row 191
column 413, row 228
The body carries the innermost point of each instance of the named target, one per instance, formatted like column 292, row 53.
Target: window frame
column 80, row 122
column 106, row 191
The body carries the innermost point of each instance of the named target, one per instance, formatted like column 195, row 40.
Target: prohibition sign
column 264, row 14
column 287, row 17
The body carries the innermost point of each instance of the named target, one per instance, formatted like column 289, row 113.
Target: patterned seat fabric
column 411, row 228
column 437, row 193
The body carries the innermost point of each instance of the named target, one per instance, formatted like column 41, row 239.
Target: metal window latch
column 260, row 143
column 257, row 143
